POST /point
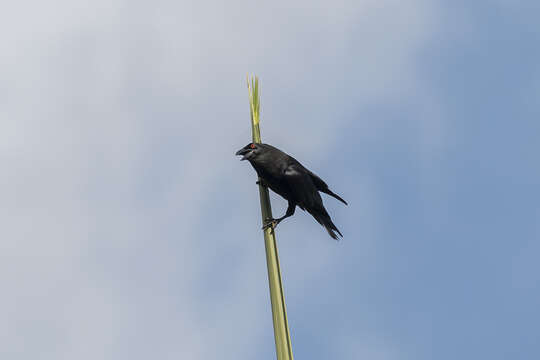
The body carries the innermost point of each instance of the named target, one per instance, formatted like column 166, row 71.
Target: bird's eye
column 252, row 146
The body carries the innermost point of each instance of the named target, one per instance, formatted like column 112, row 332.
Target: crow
column 290, row 179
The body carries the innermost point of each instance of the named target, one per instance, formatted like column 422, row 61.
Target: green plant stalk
column 277, row 297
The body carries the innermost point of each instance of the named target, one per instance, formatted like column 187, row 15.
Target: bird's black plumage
column 290, row 179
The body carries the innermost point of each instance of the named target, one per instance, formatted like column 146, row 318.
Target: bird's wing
column 323, row 187
column 302, row 187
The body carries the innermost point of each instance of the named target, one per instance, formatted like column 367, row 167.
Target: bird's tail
column 324, row 219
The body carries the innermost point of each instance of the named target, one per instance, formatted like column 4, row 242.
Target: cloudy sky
column 130, row 231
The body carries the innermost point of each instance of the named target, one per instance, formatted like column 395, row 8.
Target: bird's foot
column 262, row 183
column 270, row 223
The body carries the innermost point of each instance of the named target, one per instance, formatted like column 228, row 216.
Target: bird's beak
column 242, row 152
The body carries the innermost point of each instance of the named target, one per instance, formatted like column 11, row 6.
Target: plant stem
column 277, row 297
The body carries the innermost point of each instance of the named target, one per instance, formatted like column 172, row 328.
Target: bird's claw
column 261, row 182
column 270, row 223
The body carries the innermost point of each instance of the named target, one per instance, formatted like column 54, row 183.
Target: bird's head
column 250, row 151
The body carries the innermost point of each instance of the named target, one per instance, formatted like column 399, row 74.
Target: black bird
column 290, row 179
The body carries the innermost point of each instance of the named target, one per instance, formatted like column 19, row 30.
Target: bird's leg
column 274, row 222
column 289, row 212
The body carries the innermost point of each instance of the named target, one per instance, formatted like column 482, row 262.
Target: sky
column 129, row 230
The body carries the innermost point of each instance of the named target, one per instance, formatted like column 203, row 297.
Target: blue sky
column 130, row 229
